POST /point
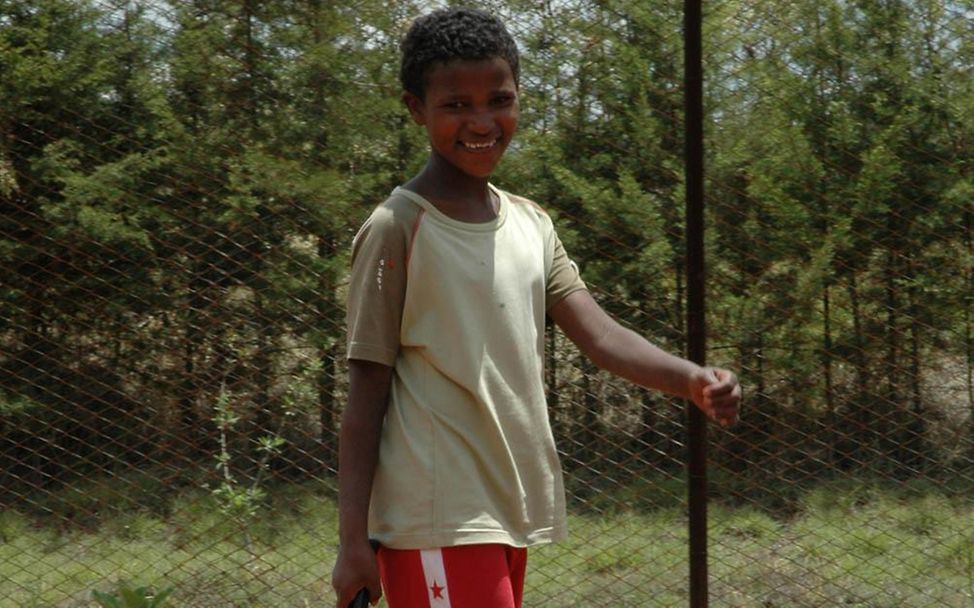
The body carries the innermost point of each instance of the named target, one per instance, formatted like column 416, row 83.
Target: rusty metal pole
column 696, row 284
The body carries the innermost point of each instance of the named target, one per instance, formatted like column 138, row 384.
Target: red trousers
column 468, row 576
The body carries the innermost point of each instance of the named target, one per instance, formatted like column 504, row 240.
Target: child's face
column 470, row 113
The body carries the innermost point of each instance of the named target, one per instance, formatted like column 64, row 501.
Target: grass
column 846, row 543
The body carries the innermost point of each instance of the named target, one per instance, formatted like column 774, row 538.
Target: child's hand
column 355, row 568
column 717, row 392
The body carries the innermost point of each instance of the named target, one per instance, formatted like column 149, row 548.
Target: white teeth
column 479, row 146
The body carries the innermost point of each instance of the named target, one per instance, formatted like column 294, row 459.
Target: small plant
column 12, row 525
column 129, row 597
column 242, row 500
column 235, row 499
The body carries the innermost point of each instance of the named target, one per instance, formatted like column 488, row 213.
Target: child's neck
column 457, row 195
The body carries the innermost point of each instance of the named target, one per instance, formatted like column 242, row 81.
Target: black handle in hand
column 361, row 600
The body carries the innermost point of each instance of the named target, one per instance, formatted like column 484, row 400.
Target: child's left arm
column 628, row 355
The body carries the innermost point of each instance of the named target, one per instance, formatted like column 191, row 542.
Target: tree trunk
column 551, row 381
column 915, row 449
column 859, row 433
column 328, row 374
column 827, row 350
column 967, row 303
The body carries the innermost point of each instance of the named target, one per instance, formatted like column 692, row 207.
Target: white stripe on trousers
column 435, row 573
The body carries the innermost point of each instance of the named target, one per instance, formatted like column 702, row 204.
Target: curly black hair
column 450, row 34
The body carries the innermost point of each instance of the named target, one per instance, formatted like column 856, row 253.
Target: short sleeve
column 563, row 277
column 377, row 284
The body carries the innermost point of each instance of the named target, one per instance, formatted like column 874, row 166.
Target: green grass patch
column 848, row 543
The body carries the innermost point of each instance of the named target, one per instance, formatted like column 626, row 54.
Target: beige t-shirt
column 466, row 455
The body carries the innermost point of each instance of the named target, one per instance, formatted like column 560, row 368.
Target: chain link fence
column 179, row 185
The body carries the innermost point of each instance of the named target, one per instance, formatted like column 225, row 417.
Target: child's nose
column 481, row 122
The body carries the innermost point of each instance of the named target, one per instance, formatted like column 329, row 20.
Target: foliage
column 241, row 499
column 904, row 538
column 180, row 184
column 132, row 597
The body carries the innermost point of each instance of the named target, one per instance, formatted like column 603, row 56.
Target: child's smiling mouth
column 479, row 146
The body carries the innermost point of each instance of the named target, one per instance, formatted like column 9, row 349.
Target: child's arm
column 358, row 453
column 628, row 355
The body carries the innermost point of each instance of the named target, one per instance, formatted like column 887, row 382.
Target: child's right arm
column 358, row 454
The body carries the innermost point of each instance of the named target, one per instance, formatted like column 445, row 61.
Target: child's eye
column 454, row 105
column 503, row 100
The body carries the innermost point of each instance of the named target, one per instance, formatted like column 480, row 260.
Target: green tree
column 834, row 163
column 79, row 117
column 601, row 148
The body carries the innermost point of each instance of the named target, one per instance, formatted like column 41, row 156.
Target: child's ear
column 415, row 106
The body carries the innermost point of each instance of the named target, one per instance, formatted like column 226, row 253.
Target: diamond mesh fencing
column 179, row 186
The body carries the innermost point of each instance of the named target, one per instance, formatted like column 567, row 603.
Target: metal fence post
column 696, row 322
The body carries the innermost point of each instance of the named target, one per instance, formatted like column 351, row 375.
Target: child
column 446, row 454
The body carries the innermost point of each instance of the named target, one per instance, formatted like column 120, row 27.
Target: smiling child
column 446, row 453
